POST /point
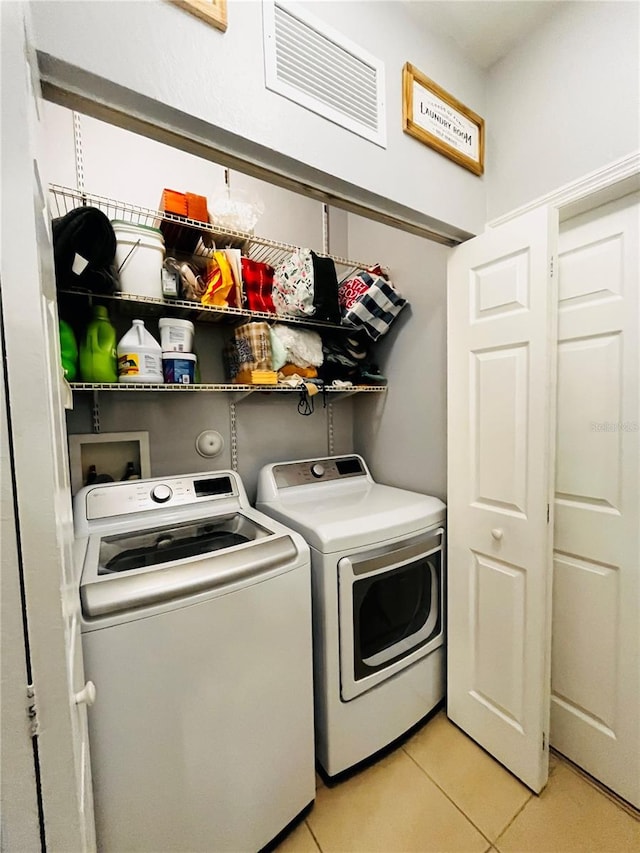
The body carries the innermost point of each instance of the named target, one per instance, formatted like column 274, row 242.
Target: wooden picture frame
column 214, row 12
column 439, row 120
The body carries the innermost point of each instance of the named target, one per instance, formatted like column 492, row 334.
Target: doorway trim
column 613, row 181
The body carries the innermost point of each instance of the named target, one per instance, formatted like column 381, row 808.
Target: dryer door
column 390, row 611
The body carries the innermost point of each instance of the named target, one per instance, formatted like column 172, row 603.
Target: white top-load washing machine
column 196, row 632
column 377, row 557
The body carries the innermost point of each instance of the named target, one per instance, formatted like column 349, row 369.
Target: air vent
column 320, row 69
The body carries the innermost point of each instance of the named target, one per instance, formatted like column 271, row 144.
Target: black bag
column 325, row 290
column 85, row 237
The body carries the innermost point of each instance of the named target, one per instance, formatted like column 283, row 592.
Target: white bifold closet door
column 501, row 399
column 595, row 704
column 35, row 396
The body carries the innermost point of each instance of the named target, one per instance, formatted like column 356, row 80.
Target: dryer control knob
column 317, row 470
column 161, row 494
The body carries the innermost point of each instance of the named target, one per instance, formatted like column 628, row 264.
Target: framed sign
column 439, row 120
column 212, row 11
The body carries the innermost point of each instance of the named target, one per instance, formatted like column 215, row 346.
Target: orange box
column 197, row 207
column 174, row 202
column 178, row 238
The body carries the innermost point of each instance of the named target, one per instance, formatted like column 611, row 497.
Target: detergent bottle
column 68, row 351
column 139, row 356
column 98, row 349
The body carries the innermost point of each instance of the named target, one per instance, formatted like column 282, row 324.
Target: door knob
column 86, row 696
column 497, row 533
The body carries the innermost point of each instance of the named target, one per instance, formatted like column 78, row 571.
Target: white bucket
column 139, row 356
column 175, row 335
column 139, row 257
column 179, row 367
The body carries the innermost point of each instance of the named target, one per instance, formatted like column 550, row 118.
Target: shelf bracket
column 78, row 153
column 330, row 431
column 95, row 412
column 234, row 435
column 325, row 229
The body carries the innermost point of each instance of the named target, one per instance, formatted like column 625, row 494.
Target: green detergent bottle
column 68, row 351
column 98, row 349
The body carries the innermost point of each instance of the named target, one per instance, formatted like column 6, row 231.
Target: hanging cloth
column 219, row 280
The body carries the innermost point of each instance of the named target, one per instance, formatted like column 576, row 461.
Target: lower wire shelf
column 228, row 387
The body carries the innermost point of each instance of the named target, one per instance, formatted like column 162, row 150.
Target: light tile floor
column 441, row 792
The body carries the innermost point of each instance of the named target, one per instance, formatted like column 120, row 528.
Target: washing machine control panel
column 116, row 499
column 321, row 470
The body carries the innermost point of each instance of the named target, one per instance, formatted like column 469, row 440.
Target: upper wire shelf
column 65, row 199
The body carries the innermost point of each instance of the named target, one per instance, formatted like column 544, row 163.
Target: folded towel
column 375, row 309
column 293, row 285
column 325, row 289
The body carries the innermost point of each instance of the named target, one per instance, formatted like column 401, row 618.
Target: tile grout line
column 514, row 818
column 315, row 840
column 431, row 779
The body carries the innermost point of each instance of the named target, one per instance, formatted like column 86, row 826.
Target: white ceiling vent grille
column 318, row 68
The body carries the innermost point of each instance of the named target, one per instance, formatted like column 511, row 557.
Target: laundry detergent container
column 139, row 258
column 139, row 356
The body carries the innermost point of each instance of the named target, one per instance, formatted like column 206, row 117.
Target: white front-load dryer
column 378, row 563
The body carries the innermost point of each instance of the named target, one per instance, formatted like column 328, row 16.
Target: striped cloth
column 248, row 351
column 376, row 308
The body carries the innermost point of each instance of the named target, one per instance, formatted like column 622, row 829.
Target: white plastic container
column 139, row 258
column 179, row 367
column 175, row 335
column 139, row 356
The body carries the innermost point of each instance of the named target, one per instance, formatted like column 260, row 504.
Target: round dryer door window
column 389, row 616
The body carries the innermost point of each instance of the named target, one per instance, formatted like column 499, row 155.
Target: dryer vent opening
column 318, row 68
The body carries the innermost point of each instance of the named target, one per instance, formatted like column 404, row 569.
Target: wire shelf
column 151, row 306
column 224, row 387
column 65, row 199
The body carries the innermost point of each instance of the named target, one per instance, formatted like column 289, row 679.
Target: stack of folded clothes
column 347, row 358
column 295, row 352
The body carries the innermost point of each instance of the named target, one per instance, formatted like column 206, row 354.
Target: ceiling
column 485, row 30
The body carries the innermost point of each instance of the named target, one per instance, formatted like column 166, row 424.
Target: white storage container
column 179, row 367
column 139, row 356
column 139, row 258
column 175, row 335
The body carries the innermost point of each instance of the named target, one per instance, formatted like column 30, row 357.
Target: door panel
column 20, row 828
column 43, row 495
column 498, row 594
column 501, row 367
column 498, row 405
column 596, row 597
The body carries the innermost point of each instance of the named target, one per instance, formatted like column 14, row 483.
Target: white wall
column 403, row 435
column 156, row 50
column 564, row 103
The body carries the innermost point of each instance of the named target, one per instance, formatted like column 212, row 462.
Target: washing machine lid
column 143, row 549
column 158, row 565
column 351, row 514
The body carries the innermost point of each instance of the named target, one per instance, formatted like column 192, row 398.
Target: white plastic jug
column 139, row 356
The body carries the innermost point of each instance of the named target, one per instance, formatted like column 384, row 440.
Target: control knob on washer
column 161, row 494
column 317, row 470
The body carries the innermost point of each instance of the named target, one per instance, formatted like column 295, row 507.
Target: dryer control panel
column 317, row 470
